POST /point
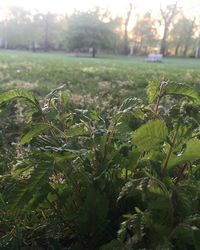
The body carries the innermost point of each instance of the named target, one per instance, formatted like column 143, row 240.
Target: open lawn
column 118, row 75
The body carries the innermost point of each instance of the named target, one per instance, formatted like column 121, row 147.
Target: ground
column 124, row 76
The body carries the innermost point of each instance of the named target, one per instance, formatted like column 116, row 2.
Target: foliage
column 168, row 15
column 181, row 35
column 21, row 29
column 145, row 33
column 89, row 29
column 85, row 180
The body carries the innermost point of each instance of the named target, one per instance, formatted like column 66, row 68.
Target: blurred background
column 106, row 26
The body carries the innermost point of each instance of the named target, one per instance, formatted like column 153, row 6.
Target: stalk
column 160, row 95
column 170, row 152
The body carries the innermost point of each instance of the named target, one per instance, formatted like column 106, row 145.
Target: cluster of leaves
column 82, row 181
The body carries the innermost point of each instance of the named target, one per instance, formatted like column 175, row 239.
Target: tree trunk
column 46, row 36
column 197, row 47
column 177, row 49
column 189, row 35
column 93, row 52
column 197, row 52
column 126, row 49
column 185, row 50
column 164, row 42
column 33, row 47
column 126, row 42
column 5, row 42
column 168, row 14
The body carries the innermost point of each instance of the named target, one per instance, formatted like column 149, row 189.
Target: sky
column 117, row 7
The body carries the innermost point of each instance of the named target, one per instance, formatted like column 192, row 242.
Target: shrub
column 83, row 181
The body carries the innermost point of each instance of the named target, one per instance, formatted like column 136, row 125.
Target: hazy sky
column 115, row 6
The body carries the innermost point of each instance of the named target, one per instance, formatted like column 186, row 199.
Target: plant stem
column 170, row 152
column 160, row 95
column 180, row 174
column 94, row 146
column 109, row 138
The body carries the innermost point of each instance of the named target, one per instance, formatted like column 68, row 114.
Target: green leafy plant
column 83, row 180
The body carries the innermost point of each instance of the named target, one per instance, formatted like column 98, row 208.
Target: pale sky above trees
column 116, row 7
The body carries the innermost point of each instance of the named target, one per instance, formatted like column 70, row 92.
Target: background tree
column 168, row 14
column 22, row 29
column 181, row 35
column 48, row 31
column 15, row 29
column 128, row 16
column 145, row 33
column 91, row 29
column 197, row 38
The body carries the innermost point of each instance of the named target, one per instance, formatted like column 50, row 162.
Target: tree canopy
column 91, row 29
column 145, row 33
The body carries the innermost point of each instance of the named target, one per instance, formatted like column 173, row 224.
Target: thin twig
column 180, row 174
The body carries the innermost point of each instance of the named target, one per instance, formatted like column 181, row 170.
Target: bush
column 80, row 180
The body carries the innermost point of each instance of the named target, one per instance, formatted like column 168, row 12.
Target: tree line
column 170, row 33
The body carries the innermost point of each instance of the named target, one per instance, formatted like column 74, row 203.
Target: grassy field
column 120, row 76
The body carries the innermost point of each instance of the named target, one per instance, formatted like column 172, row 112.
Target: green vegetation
column 99, row 162
column 122, row 75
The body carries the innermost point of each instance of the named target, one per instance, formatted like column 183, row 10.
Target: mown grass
column 120, row 76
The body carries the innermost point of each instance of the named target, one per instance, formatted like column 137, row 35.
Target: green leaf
column 64, row 98
column 39, row 197
column 182, row 90
column 138, row 113
column 76, row 130
column 133, row 158
column 96, row 117
column 17, row 93
column 129, row 103
column 152, row 90
column 191, row 153
column 150, row 135
column 24, row 191
column 35, row 131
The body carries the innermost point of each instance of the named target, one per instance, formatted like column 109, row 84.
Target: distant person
column 92, row 51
